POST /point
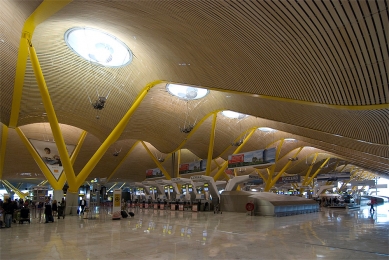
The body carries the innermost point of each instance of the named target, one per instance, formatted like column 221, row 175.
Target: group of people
column 9, row 207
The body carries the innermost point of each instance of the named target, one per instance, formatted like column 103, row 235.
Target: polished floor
column 152, row 234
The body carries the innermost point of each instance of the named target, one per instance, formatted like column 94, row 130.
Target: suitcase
column 51, row 219
column 131, row 214
column 124, row 214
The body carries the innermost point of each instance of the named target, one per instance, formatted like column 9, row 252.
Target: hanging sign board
column 193, row 167
column 49, row 153
column 289, row 179
column 253, row 158
column 154, row 173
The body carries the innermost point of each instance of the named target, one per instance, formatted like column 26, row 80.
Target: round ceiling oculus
column 98, row 47
column 186, row 92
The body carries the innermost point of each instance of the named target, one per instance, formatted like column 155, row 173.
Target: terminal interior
column 230, row 129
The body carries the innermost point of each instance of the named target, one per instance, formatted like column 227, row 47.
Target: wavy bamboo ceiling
column 316, row 71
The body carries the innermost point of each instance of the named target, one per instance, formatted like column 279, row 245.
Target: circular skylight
column 186, row 92
column 98, row 47
column 266, row 129
column 234, row 115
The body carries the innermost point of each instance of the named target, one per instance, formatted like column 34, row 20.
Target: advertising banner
column 154, row 173
column 193, row 167
column 116, row 205
column 252, row 158
column 50, row 156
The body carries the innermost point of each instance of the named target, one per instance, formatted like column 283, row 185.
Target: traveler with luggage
column 54, row 207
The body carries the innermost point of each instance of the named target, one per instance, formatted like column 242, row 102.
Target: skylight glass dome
column 266, row 129
column 186, row 92
column 232, row 114
column 98, row 47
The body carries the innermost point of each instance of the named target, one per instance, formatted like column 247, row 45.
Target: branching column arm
column 59, row 140
column 73, row 157
column 271, row 184
column 113, row 136
column 225, row 164
column 211, row 144
column 167, row 175
column 123, row 160
column 4, row 136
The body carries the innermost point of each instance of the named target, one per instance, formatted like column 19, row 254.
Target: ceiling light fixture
column 266, row 129
column 233, row 115
column 186, row 92
column 98, row 47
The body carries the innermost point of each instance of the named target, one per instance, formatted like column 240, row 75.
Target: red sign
column 149, row 172
column 250, row 206
column 184, row 167
column 236, row 158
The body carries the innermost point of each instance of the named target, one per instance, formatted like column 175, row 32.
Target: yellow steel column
column 59, row 141
column 123, row 160
column 46, row 172
column 345, row 167
column 178, row 162
column 225, row 164
column 274, row 180
column 114, row 135
column 211, row 144
column 167, row 175
column 262, row 176
column 271, row 169
column 73, row 157
column 16, row 190
column 308, row 173
column 318, row 170
column 4, row 136
column 45, row 10
column 197, row 126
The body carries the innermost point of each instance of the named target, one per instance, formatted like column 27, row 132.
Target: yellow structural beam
column 271, row 169
column 197, row 126
column 38, row 159
column 13, row 188
column 317, row 171
column 73, row 157
column 113, row 136
column 4, row 136
column 225, row 164
column 262, row 176
column 178, row 162
column 286, row 166
column 211, row 144
column 123, row 160
column 45, row 10
column 55, row 128
column 167, row 175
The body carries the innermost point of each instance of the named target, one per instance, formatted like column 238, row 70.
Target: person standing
column 82, row 204
column 372, row 203
column 9, row 209
column 54, row 208
column 48, row 212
